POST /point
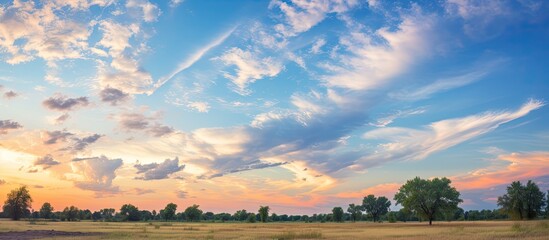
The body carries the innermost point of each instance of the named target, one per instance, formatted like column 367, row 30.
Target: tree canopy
column 130, row 212
column 338, row 214
column 193, row 213
column 46, row 210
column 18, row 203
column 376, row 207
column 428, row 198
column 522, row 201
column 169, row 211
column 263, row 213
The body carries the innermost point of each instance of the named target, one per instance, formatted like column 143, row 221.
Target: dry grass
column 359, row 230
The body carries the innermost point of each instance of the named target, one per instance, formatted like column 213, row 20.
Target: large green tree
column 130, row 212
column 522, row 201
column 428, row 198
column 18, row 203
column 337, row 214
column 169, row 211
column 70, row 213
column 241, row 215
column 376, row 207
column 355, row 211
column 263, row 213
column 193, row 213
column 46, row 210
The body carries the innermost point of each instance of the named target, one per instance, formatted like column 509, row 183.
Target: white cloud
column 175, row 3
column 384, row 121
column 150, row 11
column 249, row 68
column 300, row 16
column 96, row 173
column 440, row 85
column 371, row 64
column 414, row 144
column 194, row 58
column 317, row 46
column 202, row 107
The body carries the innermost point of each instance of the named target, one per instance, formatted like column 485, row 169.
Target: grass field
column 362, row 230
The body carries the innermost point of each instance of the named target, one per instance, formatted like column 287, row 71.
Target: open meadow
column 358, row 230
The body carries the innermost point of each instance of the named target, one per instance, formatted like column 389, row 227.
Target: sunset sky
column 301, row 105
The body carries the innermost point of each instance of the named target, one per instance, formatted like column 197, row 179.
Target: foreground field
column 362, row 230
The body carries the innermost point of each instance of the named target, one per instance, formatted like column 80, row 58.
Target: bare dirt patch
column 37, row 234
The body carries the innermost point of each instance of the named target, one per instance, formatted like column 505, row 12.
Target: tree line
column 421, row 200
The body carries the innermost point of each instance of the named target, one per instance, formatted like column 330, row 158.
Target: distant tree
column 193, row 213
column 522, row 202
column 223, row 217
column 547, row 205
column 337, row 214
column 275, row 217
column 70, row 213
column 107, row 214
column 169, row 211
column 428, row 197
column 146, row 215
column 85, row 214
column 355, row 211
column 46, row 210
column 96, row 216
column 251, row 218
column 241, row 215
column 154, row 215
column 18, row 203
column 376, row 207
column 263, row 213
column 130, row 212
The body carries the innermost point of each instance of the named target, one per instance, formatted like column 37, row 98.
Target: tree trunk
column 430, row 221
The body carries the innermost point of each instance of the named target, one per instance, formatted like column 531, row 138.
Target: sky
column 301, row 105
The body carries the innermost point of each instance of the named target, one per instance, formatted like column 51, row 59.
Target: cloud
column 10, row 94
column 64, row 103
column 52, row 137
column 373, row 60
column 61, row 119
column 300, row 16
column 506, row 169
column 202, row 107
column 414, row 144
column 80, row 144
column 384, row 121
column 2, row 182
column 194, row 58
column 46, row 162
column 97, row 174
column 249, row 68
column 254, row 165
column 441, row 85
column 140, row 191
column 155, row 171
column 317, row 45
column 113, row 96
column 140, row 122
column 6, row 125
column 182, row 194
column 175, row 3
column 150, row 11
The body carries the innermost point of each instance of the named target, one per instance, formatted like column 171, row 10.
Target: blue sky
column 302, row 105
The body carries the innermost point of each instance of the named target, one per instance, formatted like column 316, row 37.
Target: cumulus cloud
column 154, row 171
column 140, row 122
column 113, row 96
column 79, row 144
column 6, row 125
column 249, row 68
column 64, row 103
column 414, row 144
column 52, row 137
column 46, row 161
column 150, row 11
column 97, row 174
column 10, row 94
column 300, row 16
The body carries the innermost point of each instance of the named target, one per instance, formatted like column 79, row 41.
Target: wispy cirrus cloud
column 415, row 144
column 191, row 60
